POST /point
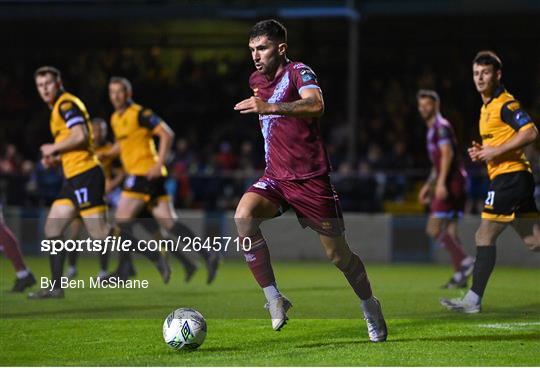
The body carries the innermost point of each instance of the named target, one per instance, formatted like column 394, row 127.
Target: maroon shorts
column 314, row 200
column 452, row 207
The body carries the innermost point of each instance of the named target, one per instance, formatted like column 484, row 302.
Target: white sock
column 472, row 298
column 458, row 276
column 22, row 274
column 467, row 261
column 271, row 292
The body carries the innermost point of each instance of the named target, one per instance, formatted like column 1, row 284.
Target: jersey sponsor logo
column 487, row 136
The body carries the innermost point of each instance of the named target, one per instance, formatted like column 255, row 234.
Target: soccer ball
column 185, row 328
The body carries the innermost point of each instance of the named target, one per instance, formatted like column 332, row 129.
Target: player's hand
column 253, row 105
column 487, row 153
column 50, row 161
column 46, row 162
column 533, row 241
column 102, row 156
column 474, row 151
column 424, row 194
column 48, row 149
column 441, row 193
column 154, row 172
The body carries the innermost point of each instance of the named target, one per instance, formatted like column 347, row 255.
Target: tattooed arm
column 310, row 104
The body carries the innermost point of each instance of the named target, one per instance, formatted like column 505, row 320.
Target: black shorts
column 509, row 196
column 84, row 191
column 140, row 187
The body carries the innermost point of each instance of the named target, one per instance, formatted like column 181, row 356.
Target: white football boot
column 278, row 308
column 461, row 305
column 374, row 318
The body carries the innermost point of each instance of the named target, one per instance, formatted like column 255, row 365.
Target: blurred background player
column 10, row 246
column 505, row 129
column 113, row 178
column 83, row 183
column 444, row 190
column 134, row 129
column 289, row 102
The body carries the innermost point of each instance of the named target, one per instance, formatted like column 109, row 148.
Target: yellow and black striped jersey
column 500, row 120
column 67, row 112
column 134, row 129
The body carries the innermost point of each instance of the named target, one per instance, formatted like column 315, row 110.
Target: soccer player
column 505, row 129
column 113, row 178
column 10, row 246
column 445, row 187
column 83, row 186
column 289, row 101
column 134, row 129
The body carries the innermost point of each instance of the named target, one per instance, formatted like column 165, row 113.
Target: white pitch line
column 510, row 326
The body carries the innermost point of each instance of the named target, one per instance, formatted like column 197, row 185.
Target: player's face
column 118, row 95
column 266, row 54
column 485, row 78
column 426, row 107
column 47, row 86
column 99, row 132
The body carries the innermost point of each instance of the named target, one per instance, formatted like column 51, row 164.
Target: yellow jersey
column 500, row 120
column 134, row 130
column 67, row 112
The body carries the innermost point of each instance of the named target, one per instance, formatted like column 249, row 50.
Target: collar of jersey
column 498, row 91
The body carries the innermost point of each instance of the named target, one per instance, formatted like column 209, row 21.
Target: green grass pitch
column 123, row 327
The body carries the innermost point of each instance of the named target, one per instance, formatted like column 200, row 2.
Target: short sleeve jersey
column 294, row 148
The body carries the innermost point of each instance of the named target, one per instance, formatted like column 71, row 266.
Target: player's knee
column 52, row 230
column 481, row 237
column 337, row 257
column 244, row 218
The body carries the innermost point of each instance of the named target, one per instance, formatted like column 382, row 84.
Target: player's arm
column 425, row 191
column 116, row 180
column 166, row 137
column 160, row 129
column 310, row 104
column 78, row 132
column 112, row 153
column 447, row 154
column 513, row 115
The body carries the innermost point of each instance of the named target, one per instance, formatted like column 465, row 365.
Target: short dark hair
column 46, row 69
column 488, row 57
column 428, row 93
column 271, row 28
column 123, row 81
